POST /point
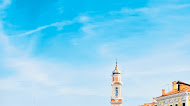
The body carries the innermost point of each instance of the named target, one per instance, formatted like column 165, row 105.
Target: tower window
column 116, row 91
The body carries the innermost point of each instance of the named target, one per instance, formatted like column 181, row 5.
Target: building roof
column 174, row 91
column 116, row 71
column 180, row 82
column 186, row 89
column 148, row 104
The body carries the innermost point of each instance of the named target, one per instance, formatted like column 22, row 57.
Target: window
column 183, row 104
column 116, row 78
column 176, row 105
column 170, row 105
column 116, row 91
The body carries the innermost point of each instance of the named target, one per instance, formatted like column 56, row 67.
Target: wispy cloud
column 26, row 68
column 149, row 10
column 30, row 69
column 83, row 19
column 59, row 25
column 5, row 3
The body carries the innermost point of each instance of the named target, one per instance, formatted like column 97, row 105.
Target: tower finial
column 116, row 62
column 116, row 65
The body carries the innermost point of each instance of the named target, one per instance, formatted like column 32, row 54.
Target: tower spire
column 116, row 65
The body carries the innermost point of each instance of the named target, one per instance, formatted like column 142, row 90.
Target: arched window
column 116, row 91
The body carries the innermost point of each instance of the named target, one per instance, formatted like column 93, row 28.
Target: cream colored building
column 178, row 96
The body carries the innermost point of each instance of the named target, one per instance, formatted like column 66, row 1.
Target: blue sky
column 58, row 52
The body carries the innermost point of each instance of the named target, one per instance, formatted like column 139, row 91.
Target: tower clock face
column 116, row 91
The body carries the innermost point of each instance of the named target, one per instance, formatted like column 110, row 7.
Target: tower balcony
column 116, row 97
column 117, row 83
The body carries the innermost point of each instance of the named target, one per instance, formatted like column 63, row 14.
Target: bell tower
column 116, row 98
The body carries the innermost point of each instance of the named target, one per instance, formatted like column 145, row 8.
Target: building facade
column 116, row 98
column 178, row 96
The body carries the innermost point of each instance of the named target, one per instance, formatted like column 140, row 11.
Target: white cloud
column 88, row 31
column 30, row 69
column 180, row 6
column 59, row 25
column 5, row 3
column 149, row 10
column 26, row 68
column 36, row 30
column 4, row 40
column 84, row 19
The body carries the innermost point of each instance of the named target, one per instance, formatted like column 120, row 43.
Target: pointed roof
column 116, row 71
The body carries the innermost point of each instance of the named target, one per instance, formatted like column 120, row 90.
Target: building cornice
column 172, row 96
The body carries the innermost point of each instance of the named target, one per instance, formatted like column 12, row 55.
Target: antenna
column 116, row 61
